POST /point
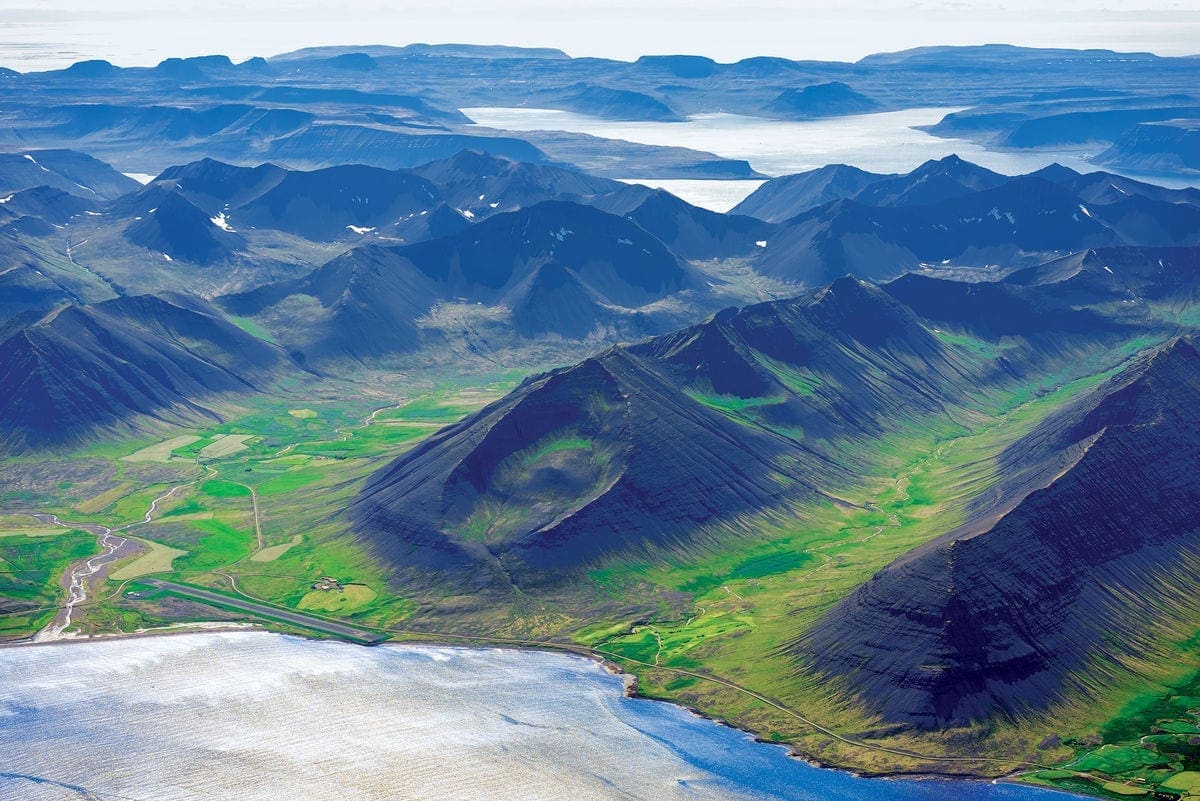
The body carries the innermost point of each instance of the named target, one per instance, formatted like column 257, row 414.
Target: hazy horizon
column 56, row 33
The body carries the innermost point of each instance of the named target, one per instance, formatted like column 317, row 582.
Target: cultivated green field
column 248, row 512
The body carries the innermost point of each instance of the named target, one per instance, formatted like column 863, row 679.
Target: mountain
column 1145, row 221
column 932, row 182
column 1102, row 188
column 1124, row 274
column 484, row 184
column 1000, row 310
column 182, row 231
column 347, row 201
column 679, row 66
column 1093, row 125
column 832, row 99
column 306, row 95
column 621, row 261
column 391, row 148
column 325, row 204
column 783, row 198
column 658, row 446
column 690, row 231
column 215, row 186
column 1066, row 575
column 65, row 170
column 337, row 203
column 1167, row 146
column 25, row 288
column 1015, row 221
column 122, row 366
column 608, row 103
column 555, row 268
column 54, row 206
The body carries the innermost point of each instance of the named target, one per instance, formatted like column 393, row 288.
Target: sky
column 46, row 34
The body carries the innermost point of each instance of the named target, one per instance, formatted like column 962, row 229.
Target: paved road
column 270, row 612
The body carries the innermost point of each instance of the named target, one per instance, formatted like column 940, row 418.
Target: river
column 261, row 717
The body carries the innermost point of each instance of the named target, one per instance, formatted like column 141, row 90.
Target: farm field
column 244, row 512
column 236, row 516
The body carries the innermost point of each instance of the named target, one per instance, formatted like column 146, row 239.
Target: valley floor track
column 340, row 630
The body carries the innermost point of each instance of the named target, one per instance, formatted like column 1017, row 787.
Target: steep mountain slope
column 1125, row 274
column 45, row 203
column 690, row 231
column 657, row 446
column 1100, row 187
column 995, row 310
column 216, row 186
column 181, row 231
column 556, row 268
column 934, row 181
column 1020, row 220
column 1143, row 220
column 325, row 204
column 788, row 196
column 484, row 184
column 931, row 182
column 65, row 170
column 1065, row 575
column 117, row 365
column 24, row 288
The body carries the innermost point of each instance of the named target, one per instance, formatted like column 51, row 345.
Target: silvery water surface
column 264, row 717
column 883, row 142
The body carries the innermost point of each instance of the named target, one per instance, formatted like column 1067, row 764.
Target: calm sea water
column 884, row 142
column 253, row 716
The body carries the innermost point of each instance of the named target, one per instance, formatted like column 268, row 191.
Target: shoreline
column 629, row 690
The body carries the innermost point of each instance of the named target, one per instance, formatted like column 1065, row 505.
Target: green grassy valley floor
column 246, row 508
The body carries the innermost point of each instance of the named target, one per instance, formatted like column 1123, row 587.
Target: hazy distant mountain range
column 316, row 107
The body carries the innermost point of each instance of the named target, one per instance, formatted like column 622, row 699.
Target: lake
column 883, row 142
column 262, row 717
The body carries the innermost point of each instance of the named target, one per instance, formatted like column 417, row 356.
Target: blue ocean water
column 253, row 716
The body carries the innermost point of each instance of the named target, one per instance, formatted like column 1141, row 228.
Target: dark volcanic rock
column 484, row 184
column 783, row 198
column 65, row 170
column 83, row 370
column 46, row 203
column 690, row 231
column 1003, row 224
column 1068, row 569
column 592, row 268
column 181, row 230
column 1126, row 274
column 633, row 452
column 323, row 204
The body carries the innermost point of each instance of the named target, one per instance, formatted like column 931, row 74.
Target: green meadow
column 246, row 508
